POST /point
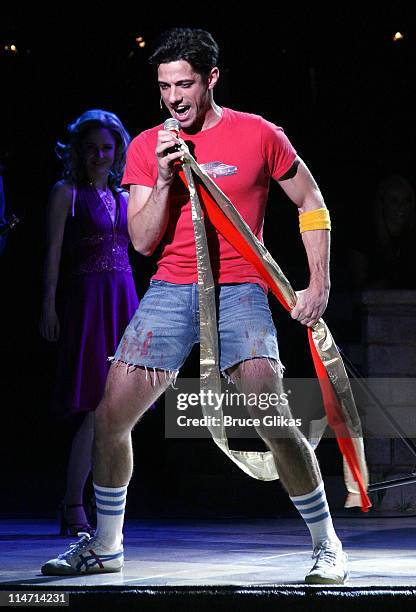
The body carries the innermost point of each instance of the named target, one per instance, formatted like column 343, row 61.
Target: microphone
column 172, row 125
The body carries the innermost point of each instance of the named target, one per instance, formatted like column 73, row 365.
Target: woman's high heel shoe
column 72, row 529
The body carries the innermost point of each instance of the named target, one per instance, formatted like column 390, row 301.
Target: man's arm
column 300, row 186
column 147, row 216
column 148, row 208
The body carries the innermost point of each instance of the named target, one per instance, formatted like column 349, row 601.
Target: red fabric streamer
column 337, row 422
column 331, row 404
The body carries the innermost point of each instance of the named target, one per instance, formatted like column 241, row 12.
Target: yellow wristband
column 314, row 220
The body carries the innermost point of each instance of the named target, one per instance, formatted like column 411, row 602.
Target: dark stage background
column 344, row 93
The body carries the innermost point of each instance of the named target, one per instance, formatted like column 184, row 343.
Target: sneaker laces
column 76, row 547
column 326, row 553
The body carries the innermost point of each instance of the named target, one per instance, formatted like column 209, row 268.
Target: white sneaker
column 85, row 556
column 330, row 565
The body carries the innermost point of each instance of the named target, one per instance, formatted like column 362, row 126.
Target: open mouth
column 182, row 112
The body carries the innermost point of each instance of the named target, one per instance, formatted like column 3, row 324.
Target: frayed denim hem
column 170, row 375
column 275, row 364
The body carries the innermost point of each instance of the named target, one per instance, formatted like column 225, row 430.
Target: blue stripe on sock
column 109, row 494
column 316, row 519
column 314, row 509
column 305, row 502
column 110, row 503
column 110, row 512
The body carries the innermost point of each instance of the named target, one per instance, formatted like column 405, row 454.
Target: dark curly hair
column 195, row 46
column 71, row 154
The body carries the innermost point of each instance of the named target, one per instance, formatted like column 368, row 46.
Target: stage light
column 397, row 36
column 10, row 49
column 140, row 41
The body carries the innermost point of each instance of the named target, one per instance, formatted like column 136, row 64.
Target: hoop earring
column 160, row 103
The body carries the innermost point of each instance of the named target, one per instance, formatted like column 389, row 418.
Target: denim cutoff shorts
column 165, row 326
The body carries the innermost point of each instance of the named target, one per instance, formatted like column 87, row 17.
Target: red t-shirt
column 240, row 152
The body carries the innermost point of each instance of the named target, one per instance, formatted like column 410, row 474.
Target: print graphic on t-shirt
column 217, row 168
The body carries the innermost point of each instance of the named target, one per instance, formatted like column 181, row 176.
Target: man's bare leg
column 294, row 457
column 128, row 395
column 299, row 472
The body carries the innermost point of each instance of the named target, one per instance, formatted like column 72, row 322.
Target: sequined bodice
column 93, row 242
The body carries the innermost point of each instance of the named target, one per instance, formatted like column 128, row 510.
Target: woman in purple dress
column 87, row 224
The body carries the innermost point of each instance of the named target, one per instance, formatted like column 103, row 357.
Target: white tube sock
column 314, row 510
column 111, row 504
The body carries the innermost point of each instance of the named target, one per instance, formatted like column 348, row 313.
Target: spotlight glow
column 10, row 48
column 140, row 41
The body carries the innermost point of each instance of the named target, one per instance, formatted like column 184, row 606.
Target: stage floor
column 382, row 553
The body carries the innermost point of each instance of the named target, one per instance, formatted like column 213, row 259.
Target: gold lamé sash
column 338, row 399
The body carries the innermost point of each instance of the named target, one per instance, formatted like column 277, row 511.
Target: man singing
column 166, row 325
